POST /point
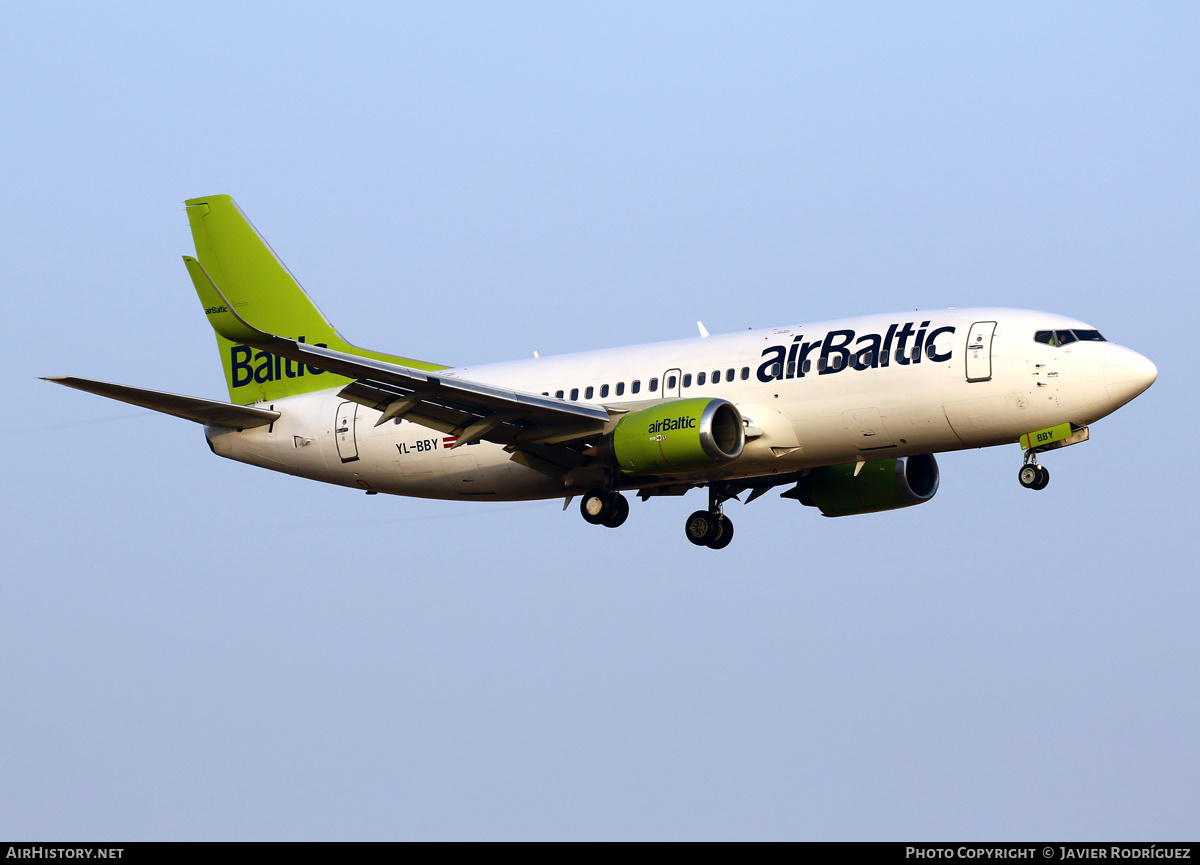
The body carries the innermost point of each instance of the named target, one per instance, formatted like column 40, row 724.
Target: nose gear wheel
column 1033, row 476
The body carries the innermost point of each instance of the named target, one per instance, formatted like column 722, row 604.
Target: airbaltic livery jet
column 847, row 414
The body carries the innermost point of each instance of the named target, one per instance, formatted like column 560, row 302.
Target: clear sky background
column 192, row 648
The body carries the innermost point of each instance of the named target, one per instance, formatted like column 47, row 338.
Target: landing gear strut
column 1031, row 475
column 711, row 528
column 604, row 508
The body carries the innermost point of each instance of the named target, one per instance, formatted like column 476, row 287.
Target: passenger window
column 821, row 364
column 545, row 393
column 716, row 379
column 587, row 394
column 636, row 387
column 558, row 394
column 1045, row 337
column 700, row 378
column 687, row 380
column 728, row 375
column 916, row 353
column 653, row 385
column 620, row 388
column 777, row 370
column 745, row 373
column 1090, row 335
column 884, row 356
column 574, row 393
column 808, row 366
column 791, row 369
column 930, row 350
column 603, row 391
column 1065, row 337
column 670, row 383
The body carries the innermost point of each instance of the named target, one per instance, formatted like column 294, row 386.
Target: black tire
column 596, row 507
column 701, row 527
column 1043, row 478
column 1029, row 475
column 620, row 511
column 724, row 536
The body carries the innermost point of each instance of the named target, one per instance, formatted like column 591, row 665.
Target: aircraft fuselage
column 811, row 395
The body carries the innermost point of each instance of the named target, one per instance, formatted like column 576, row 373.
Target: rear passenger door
column 347, row 444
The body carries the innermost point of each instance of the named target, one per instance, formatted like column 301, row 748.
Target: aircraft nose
column 1126, row 374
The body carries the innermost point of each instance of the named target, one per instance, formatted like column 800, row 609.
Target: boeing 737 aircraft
column 845, row 414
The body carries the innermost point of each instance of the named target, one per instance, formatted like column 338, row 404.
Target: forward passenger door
column 979, row 351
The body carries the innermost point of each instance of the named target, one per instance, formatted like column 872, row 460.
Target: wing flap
column 205, row 411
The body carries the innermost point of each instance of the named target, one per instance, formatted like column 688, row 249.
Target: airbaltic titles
column 835, row 353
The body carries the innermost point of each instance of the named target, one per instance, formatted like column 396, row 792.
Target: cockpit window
column 1066, row 337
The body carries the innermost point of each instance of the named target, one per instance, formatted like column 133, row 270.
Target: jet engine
column 680, row 435
column 880, row 485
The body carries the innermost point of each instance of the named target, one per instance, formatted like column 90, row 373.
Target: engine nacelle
column 881, row 485
column 680, row 435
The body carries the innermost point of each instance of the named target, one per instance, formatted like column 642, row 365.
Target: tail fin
column 232, row 254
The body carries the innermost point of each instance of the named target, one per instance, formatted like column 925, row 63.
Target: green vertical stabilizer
column 232, row 254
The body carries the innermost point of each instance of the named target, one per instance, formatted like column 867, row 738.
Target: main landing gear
column 710, row 528
column 1033, row 476
column 604, row 508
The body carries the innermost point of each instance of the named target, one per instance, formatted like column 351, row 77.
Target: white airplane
column 847, row 414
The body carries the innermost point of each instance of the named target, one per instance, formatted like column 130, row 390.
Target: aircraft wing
column 469, row 409
column 191, row 408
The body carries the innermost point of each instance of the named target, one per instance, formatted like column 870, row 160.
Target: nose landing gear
column 1035, row 477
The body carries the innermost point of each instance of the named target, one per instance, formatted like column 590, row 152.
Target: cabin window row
column 590, row 392
column 703, row 378
column 672, row 381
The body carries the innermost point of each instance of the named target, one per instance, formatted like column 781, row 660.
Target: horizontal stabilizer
column 191, row 408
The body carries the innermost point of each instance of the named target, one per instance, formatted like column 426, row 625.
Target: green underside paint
column 666, row 436
column 231, row 253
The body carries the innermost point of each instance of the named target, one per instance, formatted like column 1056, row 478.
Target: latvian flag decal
column 448, row 441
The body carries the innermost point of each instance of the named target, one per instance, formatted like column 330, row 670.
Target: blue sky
column 191, row 648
